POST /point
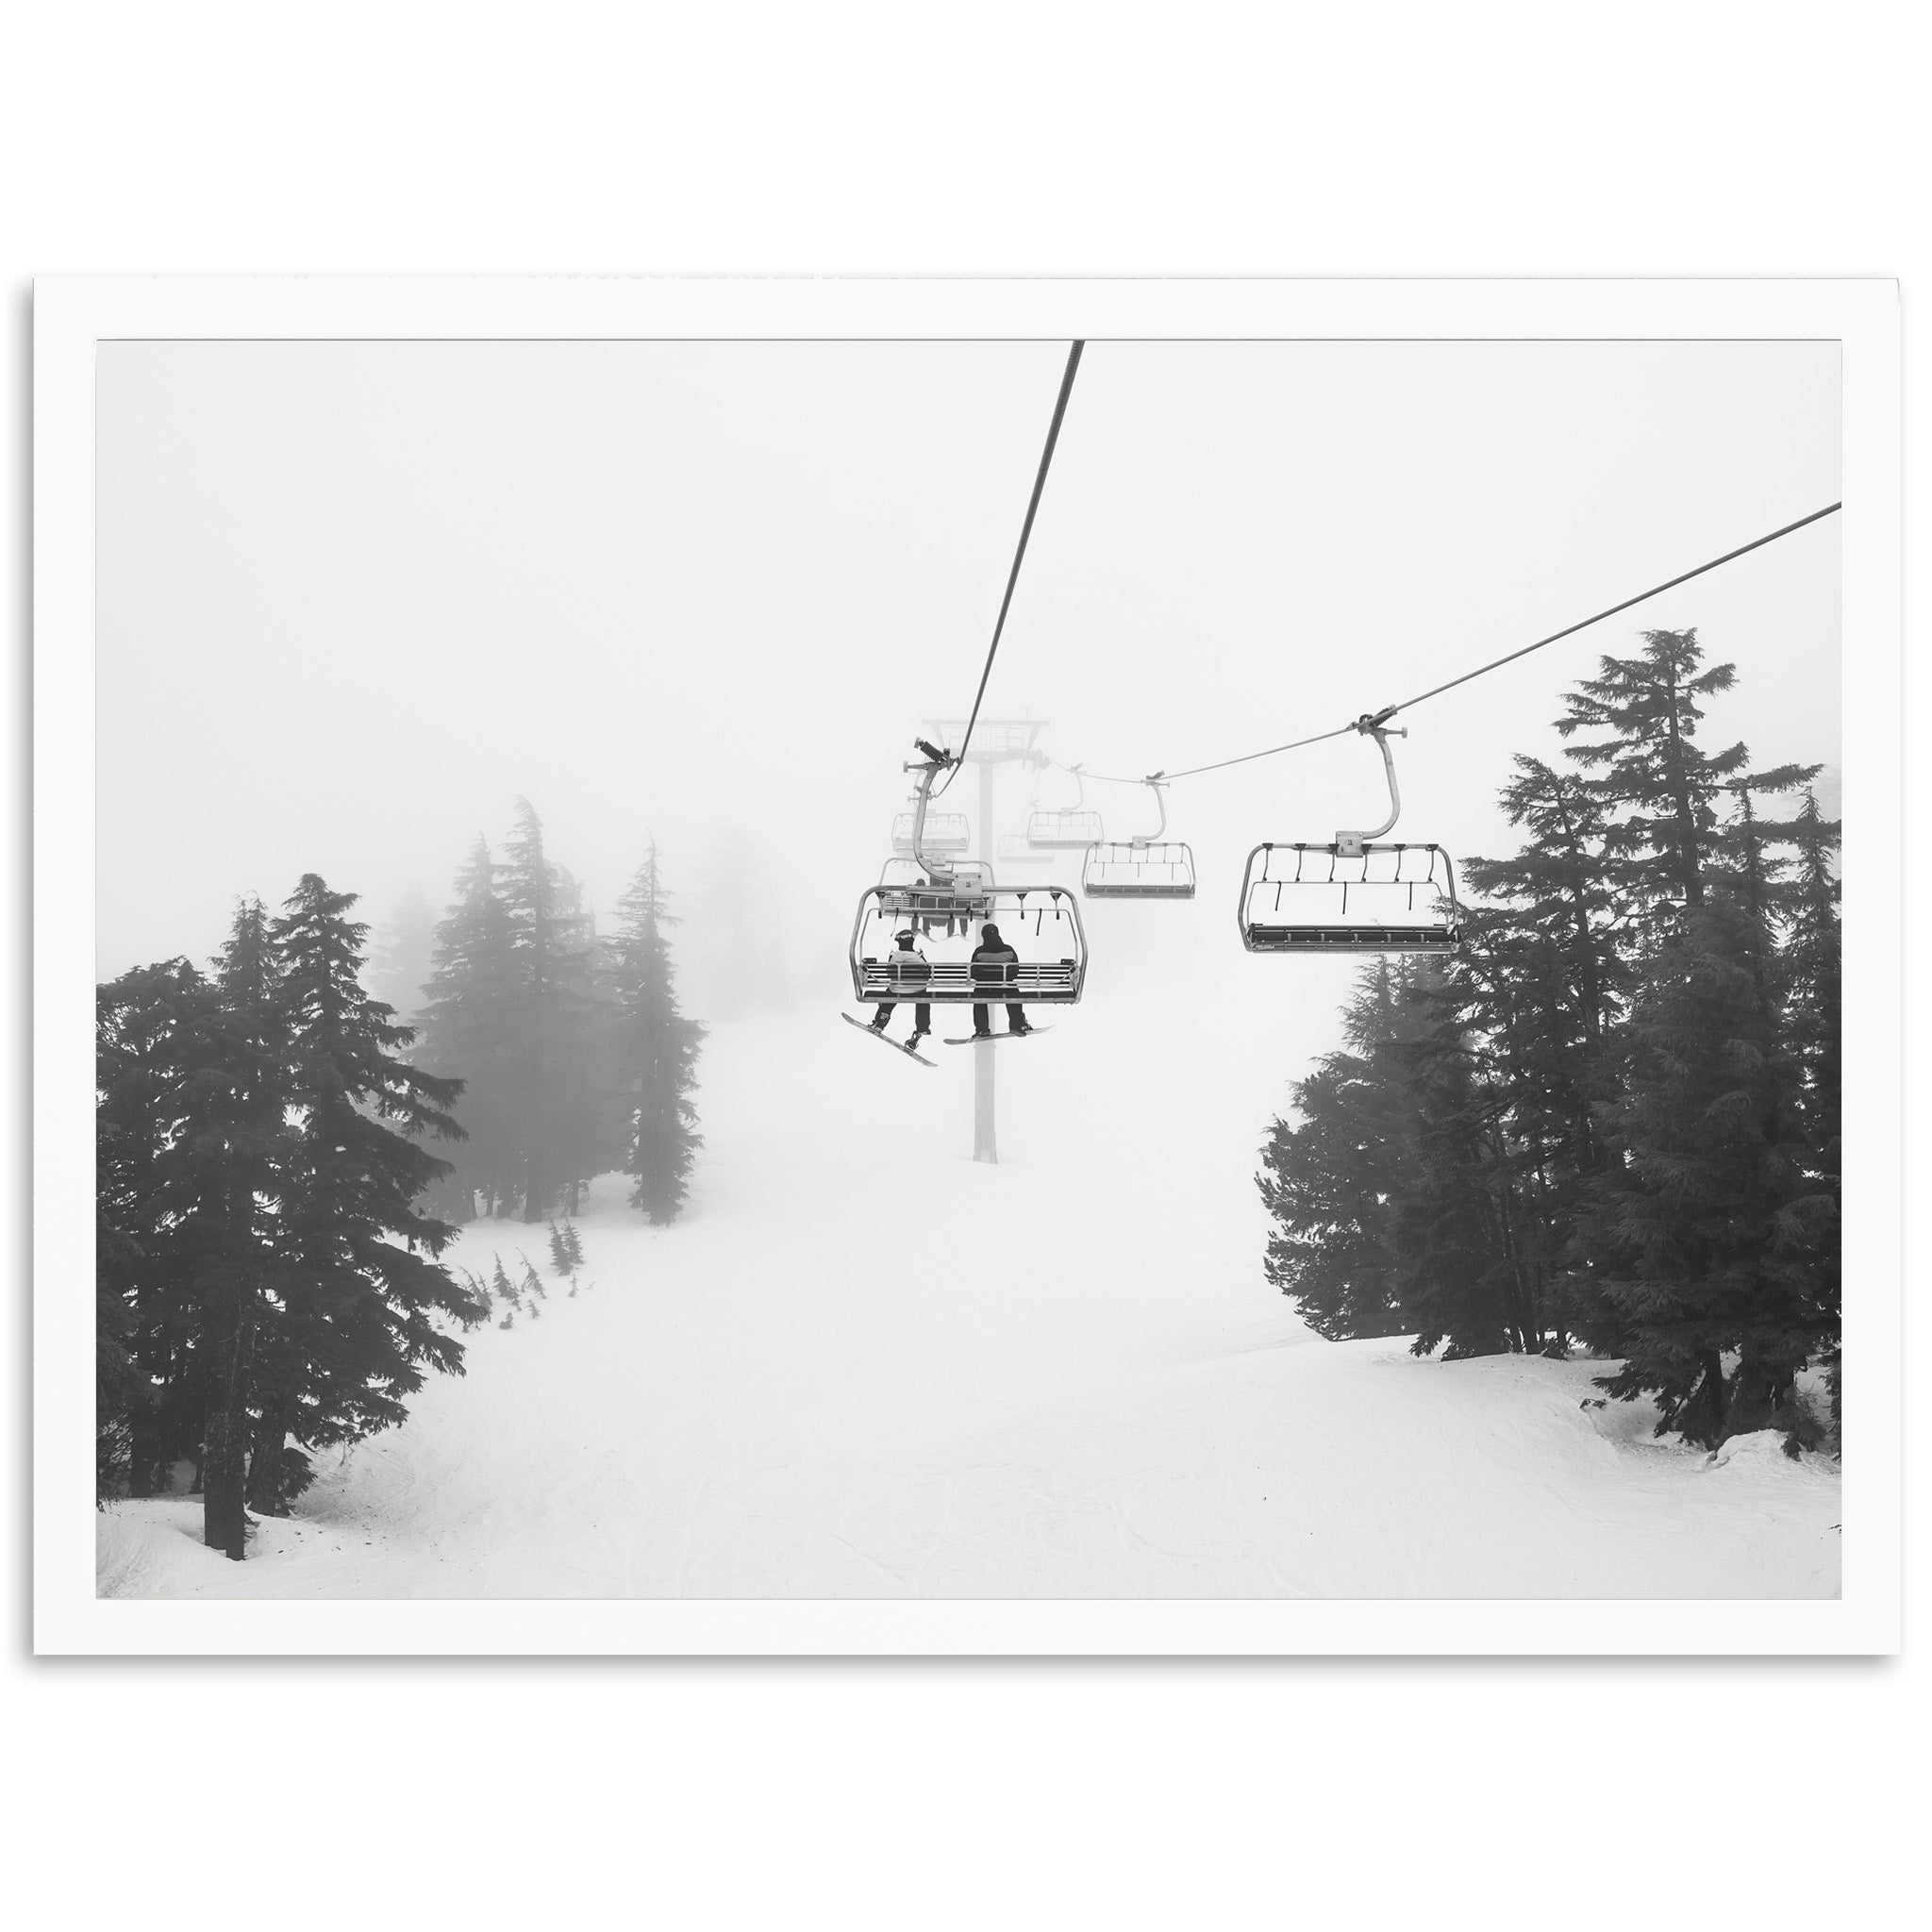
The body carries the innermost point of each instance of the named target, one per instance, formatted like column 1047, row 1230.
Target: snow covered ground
column 862, row 1365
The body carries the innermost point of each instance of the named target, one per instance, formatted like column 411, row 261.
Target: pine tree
column 560, row 1253
column 654, row 1049
column 557, row 1108
column 238, row 1189
column 590, row 1126
column 1532, row 1000
column 477, row 1297
column 403, row 956
column 1657, row 785
column 1699, row 1234
column 190, row 1138
column 1555, row 950
column 532, row 1283
column 469, row 1020
column 1703, row 1234
column 1812, row 965
column 501, row 1285
column 1328, row 1178
column 1461, row 1281
column 363, row 1288
column 573, row 1246
column 118, row 1387
column 149, row 1029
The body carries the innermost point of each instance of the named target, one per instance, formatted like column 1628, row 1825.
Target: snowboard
column 972, row 1038
column 884, row 1041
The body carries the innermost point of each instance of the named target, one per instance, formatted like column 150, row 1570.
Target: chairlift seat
column 959, row 982
column 1385, row 898
column 1025, row 914
column 1351, row 939
column 1062, row 831
column 1139, row 868
column 945, row 832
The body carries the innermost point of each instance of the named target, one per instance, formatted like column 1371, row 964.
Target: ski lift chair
column 1354, row 895
column 947, row 832
column 1066, row 829
column 1150, row 868
column 1041, row 924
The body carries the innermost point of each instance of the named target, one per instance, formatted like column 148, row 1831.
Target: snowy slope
column 862, row 1365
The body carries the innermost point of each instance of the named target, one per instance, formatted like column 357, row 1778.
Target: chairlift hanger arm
column 1350, row 844
column 934, row 763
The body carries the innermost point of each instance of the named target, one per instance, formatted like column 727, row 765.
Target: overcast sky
column 354, row 598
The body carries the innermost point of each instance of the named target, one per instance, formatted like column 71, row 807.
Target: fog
column 356, row 598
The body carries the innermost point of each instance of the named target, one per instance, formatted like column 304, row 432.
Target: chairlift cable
column 1657, row 590
column 1052, row 434
column 1408, row 703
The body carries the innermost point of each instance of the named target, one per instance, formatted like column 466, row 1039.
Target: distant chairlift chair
column 946, row 832
column 1150, row 868
column 1067, row 828
column 1354, row 895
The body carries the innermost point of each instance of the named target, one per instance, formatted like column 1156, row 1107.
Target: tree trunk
column 143, row 1454
column 265, row 1464
column 224, row 1526
column 1700, row 1419
column 225, row 1434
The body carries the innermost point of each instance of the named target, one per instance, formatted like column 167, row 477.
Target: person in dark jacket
column 909, row 969
column 993, row 962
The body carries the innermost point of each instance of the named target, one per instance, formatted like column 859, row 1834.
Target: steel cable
column 1495, row 663
column 1052, row 436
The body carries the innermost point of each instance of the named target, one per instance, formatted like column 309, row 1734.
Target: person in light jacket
column 908, row 968
column 994, row 961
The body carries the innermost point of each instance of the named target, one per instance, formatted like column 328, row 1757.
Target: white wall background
column 1503, row 137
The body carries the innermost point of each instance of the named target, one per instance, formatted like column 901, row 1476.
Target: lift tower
column 996, row 741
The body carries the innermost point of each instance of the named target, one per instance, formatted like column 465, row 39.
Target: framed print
column 1362, row 817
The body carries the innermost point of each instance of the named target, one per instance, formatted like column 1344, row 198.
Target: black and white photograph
column 766, row 970
column 749, row 972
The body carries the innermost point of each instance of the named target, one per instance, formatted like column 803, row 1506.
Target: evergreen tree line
column 574, row 1056
column 269, row 1217
column 265, row 1277
column 1610, row 1119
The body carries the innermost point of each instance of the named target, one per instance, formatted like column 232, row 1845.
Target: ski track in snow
column 862, row 1366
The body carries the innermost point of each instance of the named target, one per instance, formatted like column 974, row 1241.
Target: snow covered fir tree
column 1611, row 1118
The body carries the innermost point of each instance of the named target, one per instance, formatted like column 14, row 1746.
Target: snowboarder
column 994, row 951
column 908, row 968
